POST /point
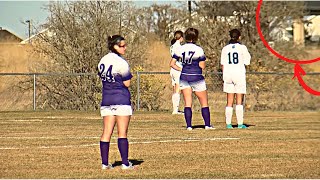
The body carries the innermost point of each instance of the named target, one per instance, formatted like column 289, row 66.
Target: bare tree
column 79, row 29
column 77, row 42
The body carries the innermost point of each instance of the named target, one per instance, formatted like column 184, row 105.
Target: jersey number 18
column 234, row 59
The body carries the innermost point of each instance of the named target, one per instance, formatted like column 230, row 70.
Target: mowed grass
column 62, row 144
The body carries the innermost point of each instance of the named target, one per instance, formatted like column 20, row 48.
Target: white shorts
column 175, row 76
column 195, row 86
column 116, row 110
column 234, row 83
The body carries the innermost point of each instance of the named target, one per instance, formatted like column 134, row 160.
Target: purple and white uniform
column 191, row 75
column 113, row 70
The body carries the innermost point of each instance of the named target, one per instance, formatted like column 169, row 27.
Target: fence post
column 34, row 92
column 138, row 90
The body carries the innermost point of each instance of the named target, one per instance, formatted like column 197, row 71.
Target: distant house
column 312, row 28
column 45, row 32
column 313, row 7
column 8, row 37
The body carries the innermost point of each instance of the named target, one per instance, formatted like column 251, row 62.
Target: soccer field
column 65, row 144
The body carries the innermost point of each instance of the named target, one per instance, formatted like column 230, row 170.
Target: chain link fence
column 151, row 91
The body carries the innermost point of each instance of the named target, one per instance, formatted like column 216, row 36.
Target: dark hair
column 234, row 35
column 173, row 41
column 114, row 40
column 191, row 35
column 178, row 34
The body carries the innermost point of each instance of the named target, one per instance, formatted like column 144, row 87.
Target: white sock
column 239, row 114
column 229, row 112
column 175, row 102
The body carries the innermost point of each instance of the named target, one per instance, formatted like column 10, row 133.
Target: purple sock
column 104, row 151
column 123, row 147
column 188, row 116
column 206, row 115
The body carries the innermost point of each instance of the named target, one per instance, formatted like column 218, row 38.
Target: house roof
column 8, row 37
column 313, row 7
column 28, row 40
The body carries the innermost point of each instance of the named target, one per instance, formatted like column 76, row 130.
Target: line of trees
column 79, row 30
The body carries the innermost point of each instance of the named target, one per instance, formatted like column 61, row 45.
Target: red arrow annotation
column 298, row 71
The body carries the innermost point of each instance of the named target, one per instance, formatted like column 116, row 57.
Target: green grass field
column 65, row 144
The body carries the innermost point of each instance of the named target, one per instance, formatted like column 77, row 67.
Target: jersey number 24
column 106, row 76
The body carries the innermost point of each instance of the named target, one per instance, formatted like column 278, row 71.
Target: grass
column 65, row 144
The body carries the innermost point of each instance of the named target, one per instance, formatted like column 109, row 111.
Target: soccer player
column 175, row 74
column 191, row 79
column 115, row 75
column 234, row 57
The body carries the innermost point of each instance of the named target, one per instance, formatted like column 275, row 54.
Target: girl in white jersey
column 115, row 108
column 175, row 74
column 191, row 79
column 234, row 57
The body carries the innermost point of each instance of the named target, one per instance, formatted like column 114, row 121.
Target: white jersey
column 173, row 49
column 234, row 57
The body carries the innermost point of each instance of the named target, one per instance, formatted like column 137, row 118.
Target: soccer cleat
column 229, row 126
column 189, row 128
column 242, row 126
column 125, row 167
column 209, row 127
column 109, row 166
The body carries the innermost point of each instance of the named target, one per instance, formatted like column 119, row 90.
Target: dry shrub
column 151, row 89
column 16, row 58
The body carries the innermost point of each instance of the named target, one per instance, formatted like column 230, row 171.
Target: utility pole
column 189, row 8
column 29, row 29
column 120, row 19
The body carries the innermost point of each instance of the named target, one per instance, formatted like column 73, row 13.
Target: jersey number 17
column 187, row 60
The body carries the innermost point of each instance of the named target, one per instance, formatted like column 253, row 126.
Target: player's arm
column 127, row 83
column 202, row 64
column 126, row 74
column 202, row 58
column 247, row 56
column 223, row 59
column 173, row 64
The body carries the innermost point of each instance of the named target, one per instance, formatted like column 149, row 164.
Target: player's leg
column 240, row 91
column 187, row 95
column 123, row 119
column 205, row 111
column 229, row 88
column 123, row 144
column 229, row 110
column 176, row 99
column 175, row 78
column 239, row 111
column 108, row 125
column 200, row 91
